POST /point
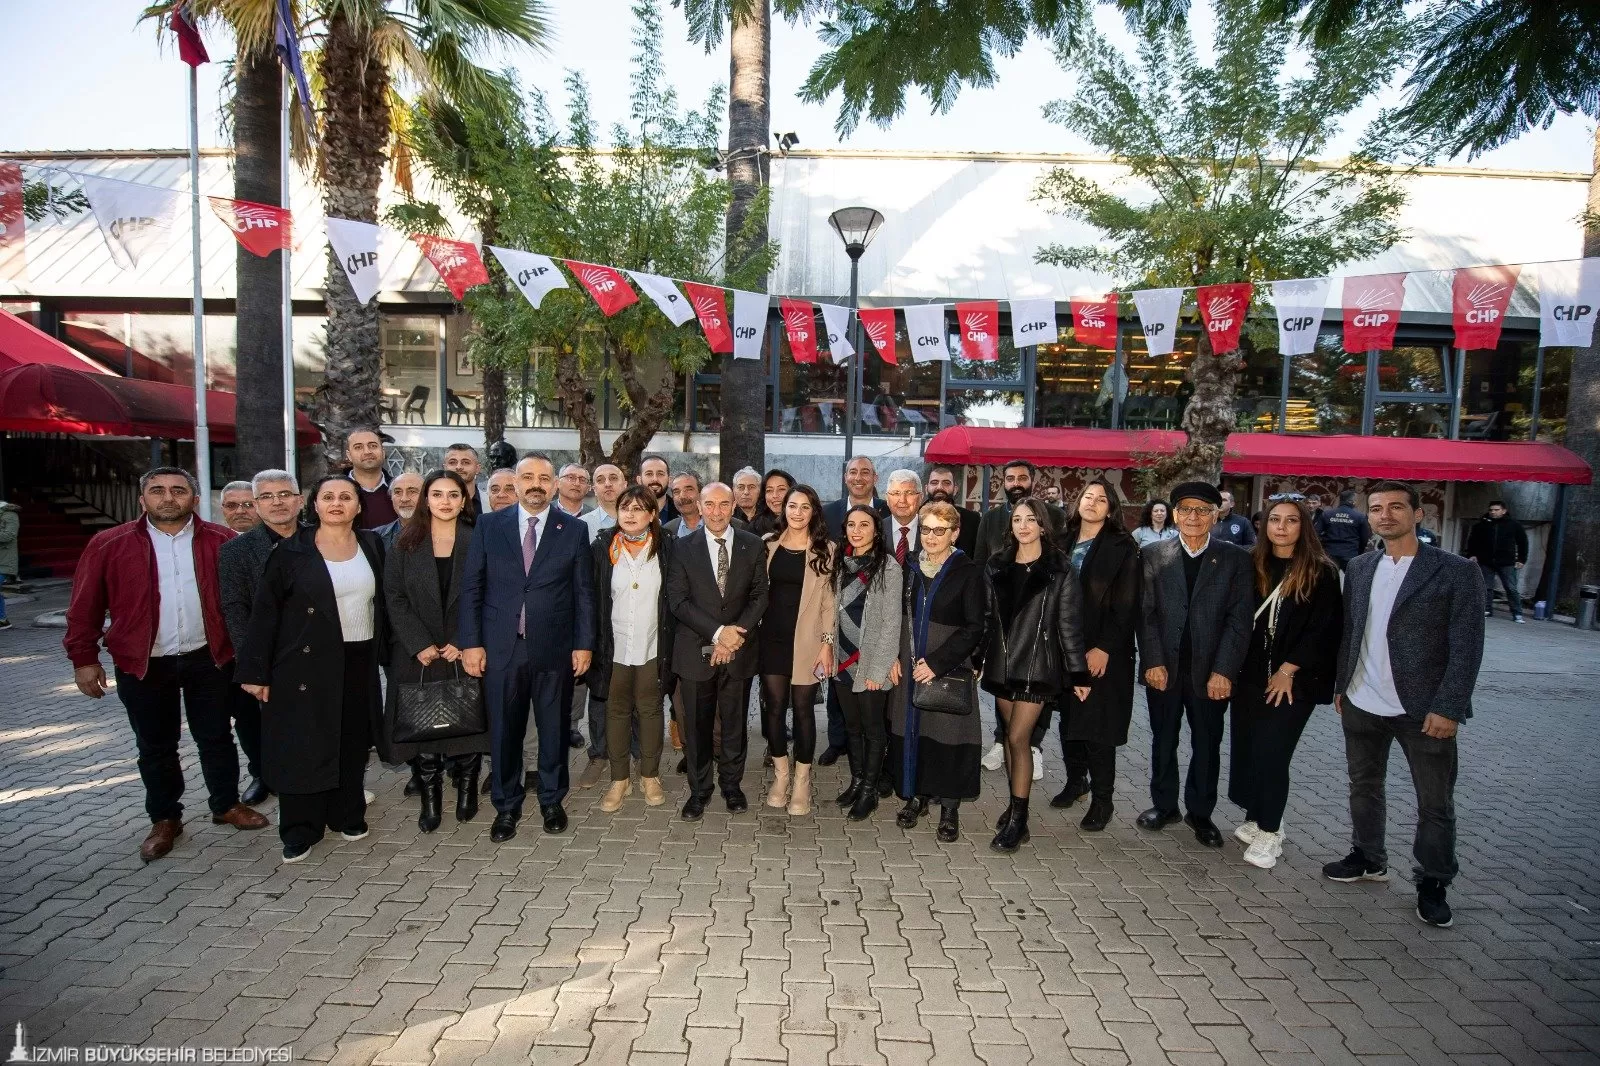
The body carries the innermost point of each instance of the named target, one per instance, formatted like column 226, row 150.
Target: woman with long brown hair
column 1288, row 670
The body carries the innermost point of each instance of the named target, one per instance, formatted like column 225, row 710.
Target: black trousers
column 719, row 698
column 303, row 816
column 513, row 694
column 195, row 684
column 1207, row 721
column 246, row 713
column 1367, row 739
column 1262, row 743
column 1087, row 758
column 865, row 717
column 838, row 731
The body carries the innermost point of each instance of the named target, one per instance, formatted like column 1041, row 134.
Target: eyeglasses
column 238, row 505
column 277, row 497
column 1286, row 497
column 1193, row 512
column 937, row 531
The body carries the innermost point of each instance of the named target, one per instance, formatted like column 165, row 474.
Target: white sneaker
column 1246, row 834
column 996, row 757
column 1264, row 850
column 369, row 794
column 1038, row 764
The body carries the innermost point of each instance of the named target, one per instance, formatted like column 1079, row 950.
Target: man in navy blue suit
column 527, row 628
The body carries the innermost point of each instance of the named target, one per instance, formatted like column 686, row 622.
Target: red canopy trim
column 22, row 344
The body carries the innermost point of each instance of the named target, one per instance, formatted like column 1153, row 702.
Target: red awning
column 1406, row 458
column 1107, row 448
column 22, row 344
column 53, row 399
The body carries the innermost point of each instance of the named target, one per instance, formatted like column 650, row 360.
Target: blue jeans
column 1509, row 579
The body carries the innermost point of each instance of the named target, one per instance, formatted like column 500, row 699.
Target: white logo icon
column 598, row 279
column 19, row 1050
column 878, row 331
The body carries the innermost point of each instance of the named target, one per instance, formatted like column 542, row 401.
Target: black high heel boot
column 866, row 800
column 431, row 768
column 1014, row 833
column 949, row 823
column 467, row 790
column 857, row 761
column 414, row 782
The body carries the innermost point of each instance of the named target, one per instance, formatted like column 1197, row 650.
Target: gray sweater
column 880, row 625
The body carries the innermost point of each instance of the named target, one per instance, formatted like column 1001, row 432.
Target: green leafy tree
column 1224, row 186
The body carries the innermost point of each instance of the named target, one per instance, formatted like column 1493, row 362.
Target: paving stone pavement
column 638, row 938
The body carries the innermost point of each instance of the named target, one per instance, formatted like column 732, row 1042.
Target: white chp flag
column 1158, row 317
column 356, row 245
column 663, row 292
column 926, row 333
column 836, row 319
column 535, row 276
column 749, row 323
column 1033, row 322
column 1569, row 297
column 1300, row 304
column 134, row 219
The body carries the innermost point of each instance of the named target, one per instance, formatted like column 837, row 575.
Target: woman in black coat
column 311, row 658
column 1288, row 670
column 421, row 584
column 1093, row 728
column 1035, row 647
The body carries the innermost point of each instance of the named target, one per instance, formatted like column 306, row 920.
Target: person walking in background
column 1035, row 647
column 1193, row 634
column 405, row 495
column 1287, row 672
column 942, row 489
column 422, row 590
column 10, row 531
column 609, row 483
column 1499, row 544
column 1234, row 528
column 364, row 451
column 502, row 489
column 795, row 643
column 462, row 461
column 1093, row 727
column 1408, row 662
column 238, row 506
column 869, row 602
column 311, row 658
column 156, row 577
column 1344, row 530
column 747, row 495
column 1154, row 524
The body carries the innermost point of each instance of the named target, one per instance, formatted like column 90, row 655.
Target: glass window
column 1000, row 408
column 1498, row 394
column 1412, row 368
column 1552, row 397
column 1157, row 389
column 1255, row 398
column 1327, row 388
column 900, row 399
column 1411, row 420
column 811, row 396
column 1070, row 383
column 410, row 382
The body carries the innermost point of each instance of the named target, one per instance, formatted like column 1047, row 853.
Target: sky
column 83, row 74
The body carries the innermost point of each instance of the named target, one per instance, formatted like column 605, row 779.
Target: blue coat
column 558, row 592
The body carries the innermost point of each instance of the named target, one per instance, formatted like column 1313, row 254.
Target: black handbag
column 438, row 710
column 951, row 693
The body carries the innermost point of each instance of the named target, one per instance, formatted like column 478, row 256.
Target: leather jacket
column 1039, row 646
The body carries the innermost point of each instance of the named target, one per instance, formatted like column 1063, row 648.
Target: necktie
column 530, row 541
column 722, row 566
column 902, row 548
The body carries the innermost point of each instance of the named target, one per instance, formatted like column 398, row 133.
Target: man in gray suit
column 1408, row 661
column 1193, row 636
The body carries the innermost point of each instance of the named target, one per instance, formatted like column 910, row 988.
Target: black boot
column 1099, row 814
column 1014, row 833
column 866, row 800
column 431, row 770
column 914, row 809
column 467, row 790
column 414, row 785
column 949, row 823
column 856, row 753
column 1077, row 788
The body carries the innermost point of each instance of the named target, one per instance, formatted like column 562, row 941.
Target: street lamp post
column 856, row 226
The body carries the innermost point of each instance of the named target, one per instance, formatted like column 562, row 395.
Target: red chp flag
column 610, row 292
column 457, row 262
column 1478, row 300
column 13, row 223
column 191, row 49
column 711, row 308
column 800, row 325
column 979, row 323
column 878, row 324
column 1372, row 311
column 261, row 228
column 1094, row 320
column 1222, row 310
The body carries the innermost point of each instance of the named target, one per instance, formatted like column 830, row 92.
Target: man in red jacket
column 157, row 577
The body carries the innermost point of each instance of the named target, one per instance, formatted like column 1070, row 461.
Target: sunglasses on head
column 1287, row 497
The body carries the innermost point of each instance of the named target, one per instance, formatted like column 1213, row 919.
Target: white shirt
column 354, row 587
column 523, row 518
column 180, row 625
column 1372, row 682
column 597, row 520
column 911, row 538
column 1195, row 554
column 635, row 599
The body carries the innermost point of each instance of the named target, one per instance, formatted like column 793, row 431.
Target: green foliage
column 41, row 200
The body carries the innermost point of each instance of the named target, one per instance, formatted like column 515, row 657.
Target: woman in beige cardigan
column 795, row 649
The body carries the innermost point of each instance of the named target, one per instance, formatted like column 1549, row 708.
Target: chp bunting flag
column 1158, row 318
column 134, row 219
column 1094, row 320
column 535, row 276
column 457, row 262
column 663, row 292
column 13, row 223
column 286, row 46
column 1569, row 295
column 979, row 322
column 1033, row 322
column 749, row 323
column 356, row 245
column 1479, row 297
column 260, row 229
column 836, row 320
column 191, row 49
column 925, row 331
column 611, row 294
column 878, row 324
column 711, row 308
column 800, row 326
column 1299, row 305
column 1222, row 311
column 1372, row 311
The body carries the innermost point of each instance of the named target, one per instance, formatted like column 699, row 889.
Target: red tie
column 901, row 548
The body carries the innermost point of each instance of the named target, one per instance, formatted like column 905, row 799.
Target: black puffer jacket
column 1036, row 642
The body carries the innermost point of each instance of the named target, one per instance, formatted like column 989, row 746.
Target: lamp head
column 856, row 226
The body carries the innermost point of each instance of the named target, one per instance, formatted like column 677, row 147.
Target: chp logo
column 1092, row 316
column 246, row 217
column 1482, row 301
column 132, row 227
column 880, row 332
column 706, row 308
column 598, row 279
column 1220, row 312
column 979, row 327
column 356, row 262
column 798, row 322
column 1372, row 305
column 528, row 274
column 1571, row 312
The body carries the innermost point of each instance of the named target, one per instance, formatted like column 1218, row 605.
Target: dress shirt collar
column 1192, row 553
column 187, row 530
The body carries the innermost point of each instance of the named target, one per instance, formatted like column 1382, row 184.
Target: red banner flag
column 1222, row 310
column 457, row 262
column 261, row 228
column 610, row 292
column 13, row 223
column 878, row 324
column 979, row 323
column 191, row 49
column 1094, row 320
column 800, row 325
column 1478, row 300
column 711, row 308
column 1372, row 311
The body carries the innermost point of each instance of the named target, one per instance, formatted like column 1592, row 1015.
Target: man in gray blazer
column 1193, row 635
column 717, row 590
column 1408, row 662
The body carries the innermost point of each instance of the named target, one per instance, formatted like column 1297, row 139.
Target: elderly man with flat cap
column 1193, row 634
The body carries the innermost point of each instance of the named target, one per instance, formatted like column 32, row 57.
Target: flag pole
column 284, row 198
column 202, row 431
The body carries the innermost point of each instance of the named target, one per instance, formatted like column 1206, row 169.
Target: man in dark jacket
column 942, row 489
column 1194, row 632
column 1408, row 662
column 1344, row 530
column 1500, row 545
column 1233, row 528
column 157, row 578
column 861, row 487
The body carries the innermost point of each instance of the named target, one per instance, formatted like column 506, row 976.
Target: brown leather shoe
column 159, row 842
column 241, row 817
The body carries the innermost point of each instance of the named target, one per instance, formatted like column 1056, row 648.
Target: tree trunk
column 355, row 141
column 1581, row 557
column 493, row 404
column 258, row 386
column 1208, row 418
column 578, row 398
column 744, row 381
column 650, row 409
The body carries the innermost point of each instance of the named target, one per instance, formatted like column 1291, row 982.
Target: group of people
column 512, row 597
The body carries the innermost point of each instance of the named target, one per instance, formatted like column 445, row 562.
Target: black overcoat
column 666, row 623
column 1110, row 579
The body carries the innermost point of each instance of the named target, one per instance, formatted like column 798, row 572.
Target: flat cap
column 1197, row 490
